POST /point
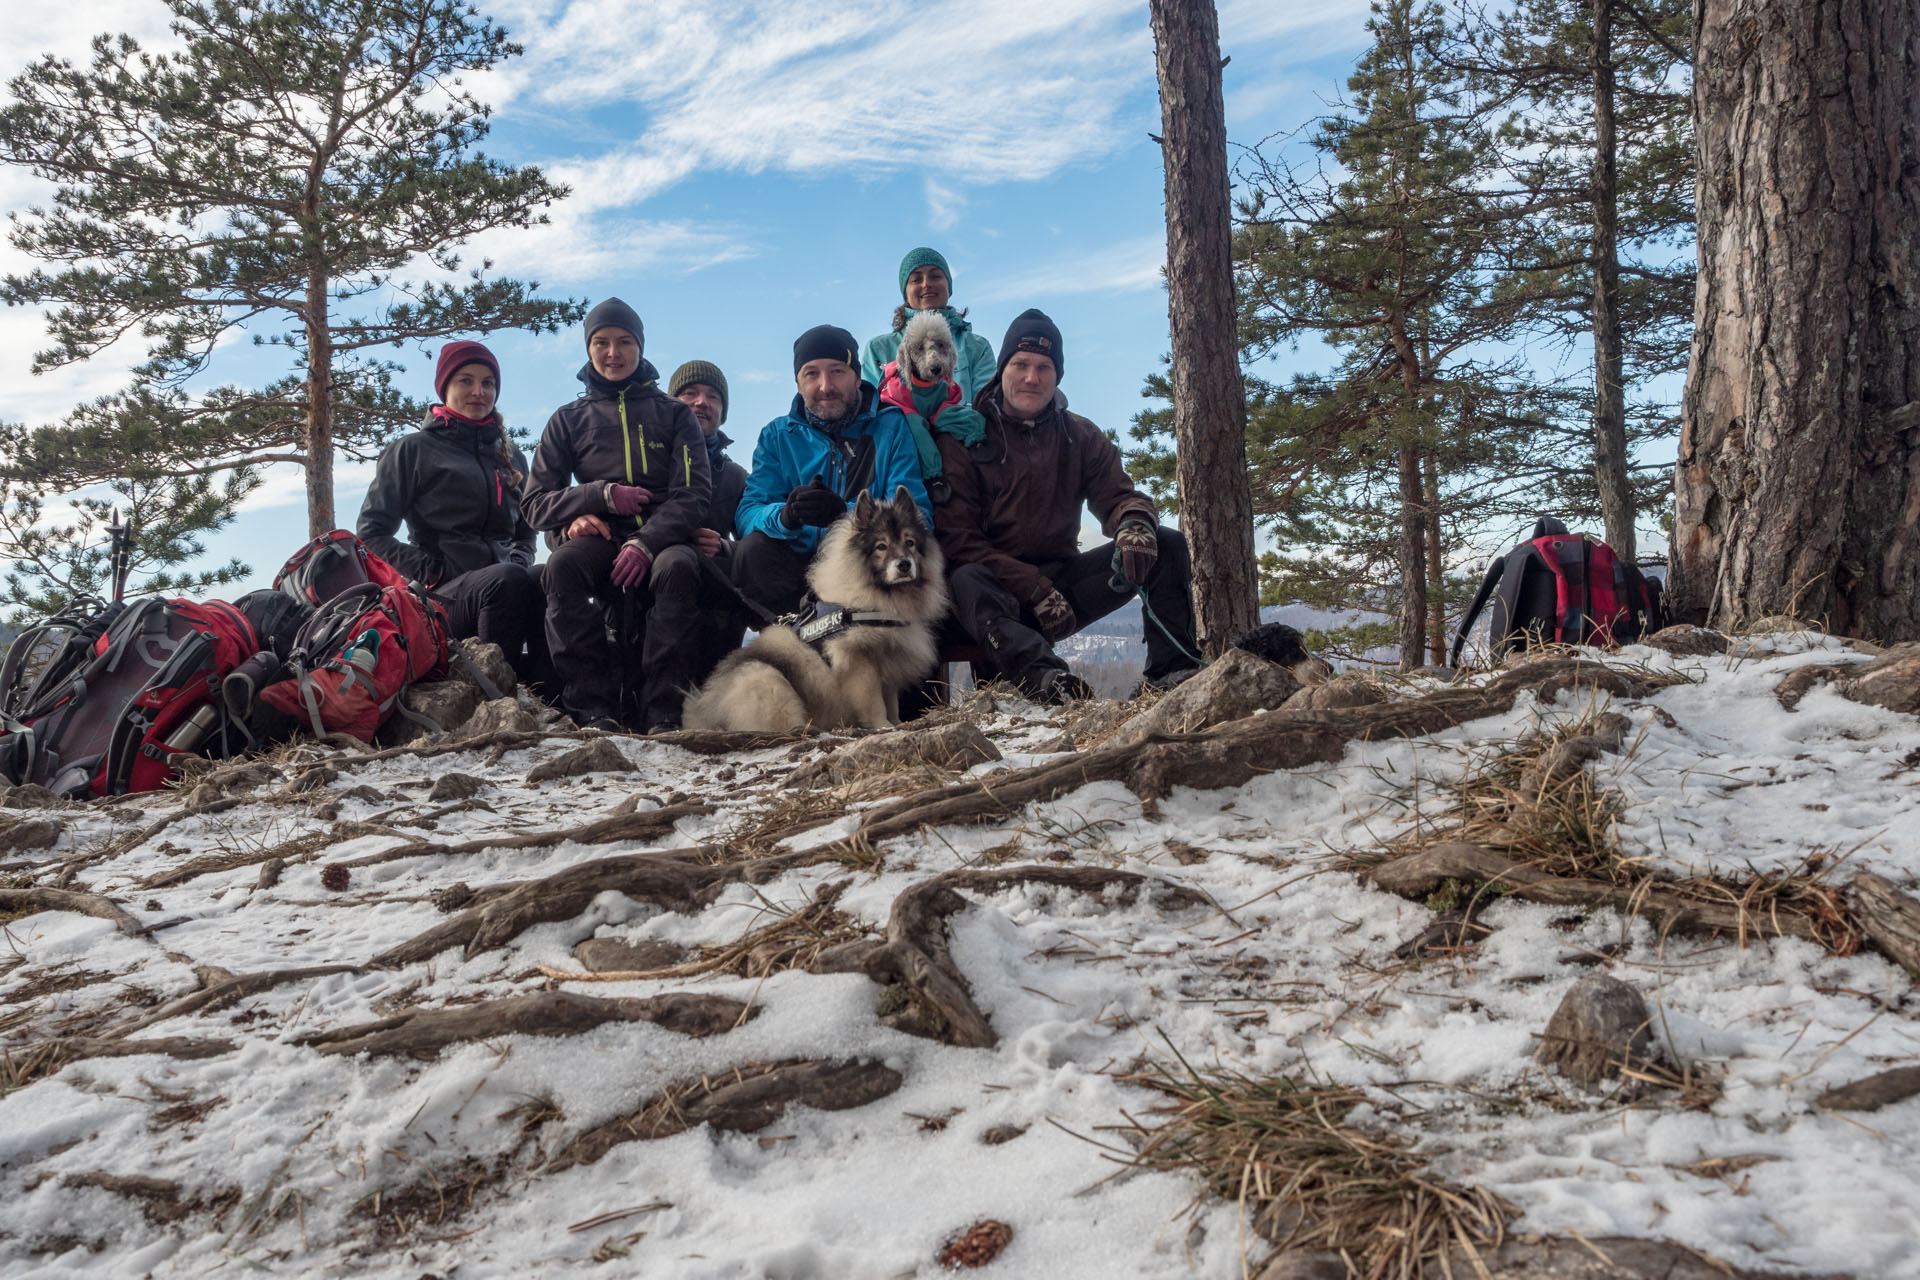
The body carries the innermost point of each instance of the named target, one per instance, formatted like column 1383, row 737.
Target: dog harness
column 818, row 621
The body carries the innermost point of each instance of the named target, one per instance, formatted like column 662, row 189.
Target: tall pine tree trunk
column 1209, row 401
column 319, row 409
column 1798, row 484
column 1413, row 520
column 1609, row 392
column 1436, row 562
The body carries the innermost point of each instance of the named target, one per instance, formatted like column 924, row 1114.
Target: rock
column 611, row 955
column 1683, row 640
column 1891, row 680
column 453, row 786
column 502, row 715
column 1001, row 1134
column 447, row 703
column 1600, row 1026
column 632, row 804
column 30, row 795
column 315, row 778
column 597, row 756
column 270, row 872
column 954, row 746
column 1234, row 687
column 1341, row 691
column 247, row 777
column 30, row 833
column 492, row 663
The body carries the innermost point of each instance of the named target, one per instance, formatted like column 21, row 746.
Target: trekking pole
column 120, row 552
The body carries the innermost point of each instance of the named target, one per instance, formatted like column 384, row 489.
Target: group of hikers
column 661, row 538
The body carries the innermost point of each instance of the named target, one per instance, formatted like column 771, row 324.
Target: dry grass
column 1284, row 1151
column 1566, row 824
column 793, row 941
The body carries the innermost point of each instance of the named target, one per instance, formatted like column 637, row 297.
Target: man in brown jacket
column 1011, row 529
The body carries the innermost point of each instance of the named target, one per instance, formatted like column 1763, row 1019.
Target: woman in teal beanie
column 926, row 283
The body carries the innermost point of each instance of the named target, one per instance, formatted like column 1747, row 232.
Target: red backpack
column 98, row 702
column 330, row 564
column 1566, row 588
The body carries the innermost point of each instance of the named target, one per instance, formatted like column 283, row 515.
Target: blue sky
column 744, row 170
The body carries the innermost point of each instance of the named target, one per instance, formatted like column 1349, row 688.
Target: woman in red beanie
column 457, row 483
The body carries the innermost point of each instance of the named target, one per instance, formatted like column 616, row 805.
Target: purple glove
column 631, row 565
column 625, row 499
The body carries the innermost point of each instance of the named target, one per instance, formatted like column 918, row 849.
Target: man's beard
column 835, row 410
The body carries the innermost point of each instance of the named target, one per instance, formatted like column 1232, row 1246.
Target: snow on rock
column 243, row 1144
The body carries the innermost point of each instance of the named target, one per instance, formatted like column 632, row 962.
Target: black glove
column 812, row 504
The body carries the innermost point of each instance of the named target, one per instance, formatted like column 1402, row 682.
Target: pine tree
column 299, row 170
column 1593, row 104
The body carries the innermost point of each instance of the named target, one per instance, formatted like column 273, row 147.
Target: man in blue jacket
column 837, row 442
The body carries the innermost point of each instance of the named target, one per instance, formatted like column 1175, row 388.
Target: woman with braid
column 456, row 483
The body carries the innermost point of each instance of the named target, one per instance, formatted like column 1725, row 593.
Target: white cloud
column 1128, row 266
column 944, row 205
column 968, row 91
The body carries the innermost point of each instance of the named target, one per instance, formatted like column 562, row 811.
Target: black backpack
column 1565, row 588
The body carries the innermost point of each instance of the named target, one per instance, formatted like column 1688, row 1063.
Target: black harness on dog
column 818, row 621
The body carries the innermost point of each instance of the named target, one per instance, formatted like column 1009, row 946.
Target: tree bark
column 1209, row 400
column 319, row 408
column 1609, row 392
column 1436, row 563
column 1798, row 487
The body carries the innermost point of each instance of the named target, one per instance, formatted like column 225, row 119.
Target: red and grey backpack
column 372, row 634
column 1565, row 588
column 99, row 700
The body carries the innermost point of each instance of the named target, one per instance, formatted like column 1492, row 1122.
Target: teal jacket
column 874, row 453
column 974, row 369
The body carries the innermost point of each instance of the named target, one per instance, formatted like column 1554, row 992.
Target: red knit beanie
column 457, row 355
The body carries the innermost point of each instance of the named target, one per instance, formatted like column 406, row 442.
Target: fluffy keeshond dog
column 880, row 563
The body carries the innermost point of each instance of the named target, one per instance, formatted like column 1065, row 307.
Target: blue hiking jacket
column 873, row 453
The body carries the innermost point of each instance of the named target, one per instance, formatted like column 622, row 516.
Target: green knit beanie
column 699, row 371
column 924, row 257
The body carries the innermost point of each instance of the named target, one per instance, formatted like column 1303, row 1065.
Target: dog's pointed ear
column 863, row 510
column 903, row 499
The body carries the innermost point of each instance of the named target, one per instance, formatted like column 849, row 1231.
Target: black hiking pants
column 1007, row 629
column 501, row 604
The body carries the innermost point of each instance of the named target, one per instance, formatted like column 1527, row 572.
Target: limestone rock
column 1234, row 687
column 597, row 756
column 30, row 795
column 1600, row 1026
column 30, row 833
column 1684, row 640
column 491, row 663
column 611, row 955
column 954, row 746
column 447, row 703
column 453, row 786
column 1341, row 691
column 502, row 715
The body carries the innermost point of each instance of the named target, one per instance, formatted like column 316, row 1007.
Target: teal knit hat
column 924, row 257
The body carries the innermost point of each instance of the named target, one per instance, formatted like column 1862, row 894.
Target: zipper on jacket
column 626, row 439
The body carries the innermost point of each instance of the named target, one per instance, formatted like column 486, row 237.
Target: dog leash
column 1119, row 583
column 766, row 616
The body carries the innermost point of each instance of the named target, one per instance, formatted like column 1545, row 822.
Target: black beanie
column 1031, row 331
column 615, row 314
column 826, row 342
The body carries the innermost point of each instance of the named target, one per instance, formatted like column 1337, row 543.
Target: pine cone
column 335, row 877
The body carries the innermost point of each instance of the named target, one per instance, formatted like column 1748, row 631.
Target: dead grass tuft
column 1284, row 1151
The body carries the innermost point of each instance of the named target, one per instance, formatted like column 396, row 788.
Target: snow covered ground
column 272, row 1155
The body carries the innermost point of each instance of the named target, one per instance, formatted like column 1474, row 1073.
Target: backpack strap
column 1567, row 557
column 1480, row 598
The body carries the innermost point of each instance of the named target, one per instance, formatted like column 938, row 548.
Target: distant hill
column 1116, row 641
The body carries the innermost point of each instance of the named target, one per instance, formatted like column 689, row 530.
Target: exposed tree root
column 297, row 849
column 1550, row 1258
column 224, row 991
column 670, row 880
column 47, row 1057
column 424, row 1033
column 1676, row 906
column 1890, row 918
column 1874, row 1092
column 744, row 1100
column 647, row 824
column 160, row 1201
column 90, row 904
column 1239, row 751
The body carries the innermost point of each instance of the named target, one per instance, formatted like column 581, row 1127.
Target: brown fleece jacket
column 1017, row 494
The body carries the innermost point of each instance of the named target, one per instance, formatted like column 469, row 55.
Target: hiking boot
column 1056, row 685
column 1164, row 681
